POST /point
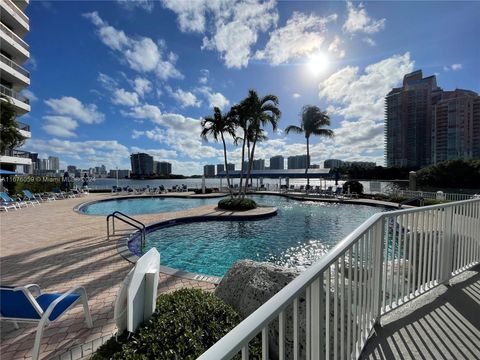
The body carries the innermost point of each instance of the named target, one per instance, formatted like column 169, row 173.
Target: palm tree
column 10, row 136
column 217, row 126
column 313, row 122
column 259, row 112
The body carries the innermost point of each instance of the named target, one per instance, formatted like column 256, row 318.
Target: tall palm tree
column 217, row 126
column 260, row 111
column 313, row 122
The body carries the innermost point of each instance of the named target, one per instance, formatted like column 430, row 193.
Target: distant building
column 297, row 162
column 142, row 164
column 71, row 169
column 122, row 174
column 163, row 168
column 333, row 164
column 53, row 163
column 456, row 126
column 277, row 162
column 362, row 164
column 314, row 166
column 209, row 170
column 231, row 167
column 220, row 168
column 258, row 164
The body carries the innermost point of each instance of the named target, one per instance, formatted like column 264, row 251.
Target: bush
column 237, row 204
column 355, row 187
column 38, row 184
column 451, row 174
column 187, row 322
column 199, row 191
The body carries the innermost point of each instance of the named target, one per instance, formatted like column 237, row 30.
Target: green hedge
column 355, row 187
column 199, row 191
column 187, row 322
column 237, row 204
column 38, row 184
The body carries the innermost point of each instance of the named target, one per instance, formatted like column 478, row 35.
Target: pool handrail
column 115, row 215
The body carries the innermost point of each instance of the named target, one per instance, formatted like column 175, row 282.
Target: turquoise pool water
column 144, row 205
column 299, row 235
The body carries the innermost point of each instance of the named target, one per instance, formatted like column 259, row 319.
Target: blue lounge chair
column 7, row 200
column 18, row 304
column 31, row 198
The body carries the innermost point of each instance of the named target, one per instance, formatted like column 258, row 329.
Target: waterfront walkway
column 57, row 248
column 441, row 324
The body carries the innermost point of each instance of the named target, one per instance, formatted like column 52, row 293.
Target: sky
column 109, row 78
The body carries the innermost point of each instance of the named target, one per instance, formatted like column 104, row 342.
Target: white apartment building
column 14, row 52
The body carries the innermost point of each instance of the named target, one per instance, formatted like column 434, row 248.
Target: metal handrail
column 12, row 93
column 14, row 65
column 135, row 223
column 15, row 37
column 238, row 338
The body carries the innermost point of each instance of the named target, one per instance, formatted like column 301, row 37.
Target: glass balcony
column 16, row 153
column 13, row 94
column 14, row 65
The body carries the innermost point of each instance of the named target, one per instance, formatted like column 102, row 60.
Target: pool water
column 145, row 205
column 298, row 236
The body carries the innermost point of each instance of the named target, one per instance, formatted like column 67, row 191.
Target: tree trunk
column 243, row 159
column 250, row 163
column 308, row 163
column 226, row 165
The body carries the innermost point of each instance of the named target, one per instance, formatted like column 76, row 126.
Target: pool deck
column 58, row 248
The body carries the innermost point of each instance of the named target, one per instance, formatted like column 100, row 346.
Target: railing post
column 447, row 246
column 379, row 244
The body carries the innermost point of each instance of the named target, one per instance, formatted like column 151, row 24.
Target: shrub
column 199, row 191
column 237, row 204
column 355, row 187
column 187, row 322
column 37, row 184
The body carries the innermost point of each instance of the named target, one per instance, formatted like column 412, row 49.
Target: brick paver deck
column 57, row 248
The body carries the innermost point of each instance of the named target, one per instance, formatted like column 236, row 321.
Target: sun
column 317, row 64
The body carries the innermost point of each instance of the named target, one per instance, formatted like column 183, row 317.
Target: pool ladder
column 127, row 220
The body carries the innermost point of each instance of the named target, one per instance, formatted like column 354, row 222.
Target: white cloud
column 335, row 47
column 29, row 94
column 234, row 25
column 453, row 67
column 185, row 98
column 142, row 54
column 32, row 63
column 204, row 75
column 74, row 108
column 123, row 97
column 107, row 81
column 142, row 86
column 158, row 154
column 358, row 21
column 369, row 41
column 61, row 126
column 362, row 96
column 302, row 35
column 214, row 98
column 146, row 111
column 130, row 5
column 296, row 95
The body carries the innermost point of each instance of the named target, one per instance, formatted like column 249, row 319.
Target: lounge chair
column 5, row 206
column 7, row 201
column 28, row 194
column 28, row 304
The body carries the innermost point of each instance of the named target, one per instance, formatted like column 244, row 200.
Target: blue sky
column 109, row 78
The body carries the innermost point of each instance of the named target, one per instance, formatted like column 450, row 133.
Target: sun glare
column 317, row 64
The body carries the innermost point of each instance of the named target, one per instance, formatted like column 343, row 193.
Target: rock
column 249, row 284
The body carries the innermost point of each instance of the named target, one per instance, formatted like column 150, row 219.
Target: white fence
column 432, row 195
column 329, row 311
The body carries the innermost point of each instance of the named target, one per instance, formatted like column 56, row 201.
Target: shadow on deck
column 442, row 324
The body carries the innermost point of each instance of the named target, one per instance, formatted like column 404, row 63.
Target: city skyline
column 119, row 102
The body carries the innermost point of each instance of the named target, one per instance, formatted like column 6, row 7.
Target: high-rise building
column 258, row 164
column 332, row 164
column 277, row 162
column 220, row 168
column 231, row 167
column 142, row 164
column 209, row 170
column 456, row 126
column 426, row 125
column 14, row 52
column 71, row 169
column 408, row 123
column 122, row 174
column 53, row 163
column 163, row 168
column 297, row 162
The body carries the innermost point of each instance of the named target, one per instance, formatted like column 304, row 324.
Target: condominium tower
column 14, row 52
column 277, row 162
column 142, row 164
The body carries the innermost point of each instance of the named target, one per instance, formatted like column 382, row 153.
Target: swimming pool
column 299, row 235
column 144, row 205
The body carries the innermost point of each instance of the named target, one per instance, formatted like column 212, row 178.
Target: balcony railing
column 15, row 37
column 23, row 126
column 16, row 153
column 14, row 65
column 19, row 12
column 13, row 94
column 330, row 310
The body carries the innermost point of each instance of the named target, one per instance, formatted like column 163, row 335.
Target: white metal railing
column 14, row 36
column 330, row 309
column 432, row 195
